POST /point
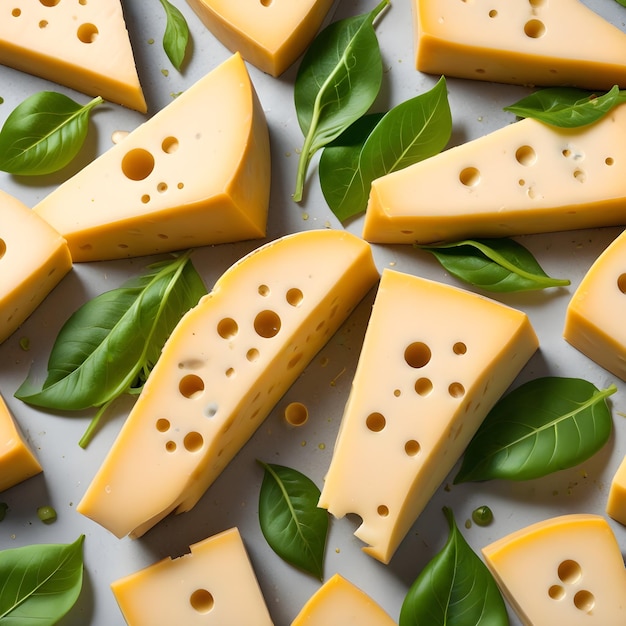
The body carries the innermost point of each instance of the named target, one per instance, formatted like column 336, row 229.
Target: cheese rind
column 564, row 570
column 224, row 367
column 213, row 585
column 434, row 360
column 616, row 502
column 82, row 45
column 560, row 42
column 527, row 177
column 196, row 173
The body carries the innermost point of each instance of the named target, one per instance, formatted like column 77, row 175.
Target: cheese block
column 224, row 367
column 434, row 360
column 17, row 459
column 33, row 260
column 593, row 317
column 270, row 34
column 536, row 42
column 338, row 602
column 616, row 503
column 213, row 585
column 523, row 178
column 563, row 570
column 196, row 173
column 82, row 45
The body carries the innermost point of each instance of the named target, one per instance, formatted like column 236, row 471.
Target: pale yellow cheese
column 616, row 502
column 338, row 602
column 213, row 585
column 225, row 366
column 33, row 260
column 525, row 42
column 526, row 177
column 270, row 34
column 80, row 44
column 594, row 316
column 434, row 360
column 17, row 459
column 196, row 173
column 563, row 570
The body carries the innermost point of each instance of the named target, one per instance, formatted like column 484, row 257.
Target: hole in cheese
column 534, row 29
column 525, row 155
column 252, row 355
column 266, row 3
column 16, row 12
column 294, row 297
column 3, row 248
column 193, row 441
column 569, row 571
column 191, row 386
column 227, row 328
column 375, row 422
column 556, row 592
column 469, row 176
column 383, row 510
column 459, row 348
column 580, row 176
column 49, row 3
column 493, row 13
column 43, row 23
column 264, row 290
column 423, row 386
column 169, row 145
column 609, row 161
column 584, row 600
column 201, row 601
column 412, row 447
column 536, row 3
column 456, row 390
column 87, row 33
column 417, row 354
column 137, row 164
column 170, row 446
column 296, row 414
column 162, row 425
column 621, row 283
column 162, row 187
column 267, row 324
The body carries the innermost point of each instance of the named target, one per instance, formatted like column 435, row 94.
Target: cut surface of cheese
column 214, row 585
column 270, row 34
column 434, row 360
column 17, row 460
column 523, row 178
column 82, row 45
column 338, row 602
column 564, row 570
column 537, row 42
column 616, row 503
column 196, row 173
column 224, row 367
column 33, row 260
column 593, row 317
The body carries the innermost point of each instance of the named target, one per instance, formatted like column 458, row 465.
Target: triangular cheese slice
column 196, row 173
column 527, row 177
column 225, row 366
column 564, row 570
column 82, row 45
column 434, row 360
column 616, row 502
column 528, row 42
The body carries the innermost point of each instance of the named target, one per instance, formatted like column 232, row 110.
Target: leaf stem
column 85, row 440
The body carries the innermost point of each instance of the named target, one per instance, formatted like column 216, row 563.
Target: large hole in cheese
column 535, row 29
column 202, row 601
column 137, row 164
column 3, row 248
column 87, row 33
column 267, row 324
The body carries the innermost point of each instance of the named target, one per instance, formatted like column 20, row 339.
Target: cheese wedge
column 616, row 503
column 225, row 366
column 82, row 45
column 593, row 316
column 434, row 360
column 536, row 42
column 339, row 602
column 213, row 585
column 196, row 173
column 526, row 177
column 563, row 570
column 270, row 34
column 26, row 278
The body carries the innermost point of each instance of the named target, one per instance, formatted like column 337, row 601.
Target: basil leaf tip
column 176, row 35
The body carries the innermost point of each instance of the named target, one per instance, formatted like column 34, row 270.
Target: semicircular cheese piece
column 564, row 570
column 434, row 360
column 82, row 45
column 196, row 173
column 270, row 34
column 523, row 178
column 536, row 42
column 226, row 364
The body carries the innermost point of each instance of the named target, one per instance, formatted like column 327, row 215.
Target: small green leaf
column 499, row 265
column 543, row 426
column 176, row 36
column 454, row 588
column 292, row 523
column 43, row 134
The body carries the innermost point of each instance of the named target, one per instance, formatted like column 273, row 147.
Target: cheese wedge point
column 26, row 279
column 225, row 366
column 541, row 42
column 270, row 35
column 524, row 178
column 616, row 503
column 213, row 585
column 82, row 45
column 564, row 570
column 196, row 173
column 434, row 360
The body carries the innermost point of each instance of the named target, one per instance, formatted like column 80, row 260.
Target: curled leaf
column 176, row 36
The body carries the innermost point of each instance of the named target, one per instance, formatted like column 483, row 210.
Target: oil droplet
column 296, row 414
column 118, row 135
column 322, row 446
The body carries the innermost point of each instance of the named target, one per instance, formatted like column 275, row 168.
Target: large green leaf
column 176, row 35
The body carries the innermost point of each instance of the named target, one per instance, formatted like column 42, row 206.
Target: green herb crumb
column 47, row 514
column 482, row 516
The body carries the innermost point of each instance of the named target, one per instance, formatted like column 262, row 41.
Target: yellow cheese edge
column 616, row 502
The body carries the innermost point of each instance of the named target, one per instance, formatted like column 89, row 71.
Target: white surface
column 323, row 387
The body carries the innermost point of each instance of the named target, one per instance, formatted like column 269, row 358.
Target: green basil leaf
column 455, row 587
column 338, row 80
column 567, row 107
column 543, row 426
column 500, row 265
column 622, row 2
column 176, row 36
column 43, row 133
column 292, row 523
column 412, row 131
column 39, row 584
